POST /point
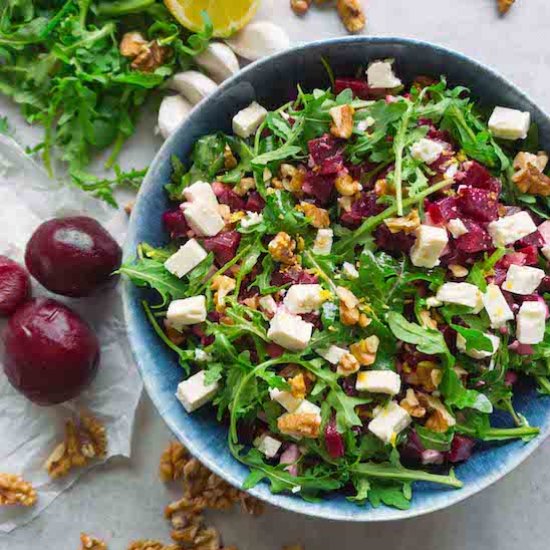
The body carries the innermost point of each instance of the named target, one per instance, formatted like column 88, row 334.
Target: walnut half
column 529, row 176
column 352, row 14
column 91, row 543
column 15, row 490
column 146, row 56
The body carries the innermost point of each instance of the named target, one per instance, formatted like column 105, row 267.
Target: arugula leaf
column 344, row 405
column 434, row 440
column 457, row 395
column 475, row 339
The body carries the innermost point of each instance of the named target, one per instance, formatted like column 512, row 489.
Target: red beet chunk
column 393, row 242
column 531, row 254
column 293, row 275
column 461, row 448
column 479, row 204
column 474, row 175
column 365, row 207
column 412, row 449
column 175, row 223
column 318, row 186
column 227, row 196
column 443, row 210
column 476, row 240
column 359, row 88
column 198, row 331
column 333, row 440
column 51, row 354
column 322, row 148
column 516, row 258
column 274, row 350
column 254, row 202
column 534, row 239
column 224, row 246
column 15, row 286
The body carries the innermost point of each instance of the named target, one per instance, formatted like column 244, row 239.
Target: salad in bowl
column 356, row 281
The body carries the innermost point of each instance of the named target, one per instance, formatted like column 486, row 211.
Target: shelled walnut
column 14, row 490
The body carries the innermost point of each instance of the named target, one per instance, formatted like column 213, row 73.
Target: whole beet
column 15, row 286
column 51, row 353
column 73, row 256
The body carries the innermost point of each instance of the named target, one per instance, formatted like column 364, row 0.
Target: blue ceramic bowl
column 272, row 82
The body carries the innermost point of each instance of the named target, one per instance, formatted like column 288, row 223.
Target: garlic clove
column 219, row 61
column 259, row 40
column 173, row 111
column 192, row 85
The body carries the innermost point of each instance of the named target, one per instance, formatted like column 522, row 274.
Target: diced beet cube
column 254, row 202
column 412, row 449
column 533, row 239
column 499, row 276
column 333, row 440
column 322, row 148
column 357, row 171
column 313, row 318
column 393, row 242
column 175, row 223
column 226, row 195
column 515, row 258
column 348, row 385
column 214, row 316
column 521, row 349
column 474, row 175
column 444, row 210
column 476, row 240
column 479, row 204
column 365, row 207
column 318, row 186
column 359, row 88
column 293, row 275
column 198, row 330
column 510, row 378
column 224, row 246
column 461, row 448
column 531, row 254
column 274, row 350
column 439, row 135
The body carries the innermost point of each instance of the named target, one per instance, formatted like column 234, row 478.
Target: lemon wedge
column 227, row 16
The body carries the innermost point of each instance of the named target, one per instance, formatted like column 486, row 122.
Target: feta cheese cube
column 464, row 294
column 203, row 219
column 189, row 256
column 510, row 229
column 268, row 304
column 497, row 307
column 285, row 399
column 430, row 243
column 247, row 121
column 457, row 228
column 252, row 218
column 194, row 393
column 201, row 192
column 474, row 353
column 323, row 242
column 432, row 301
column 379, row 381
column 509, row 123
column 333, row 354
column 189, row 311
column 268, row 445
column 380, row 75
column 522, row 279
column 389, row 421
column 531, row 323
column 307, row 407
column 426, row 150
column 350, row 271
column 290, row 331
column 304, row 298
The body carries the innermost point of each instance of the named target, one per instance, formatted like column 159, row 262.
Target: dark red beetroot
column 443, row 210
column 274, row 350
column 175, row 223
column 461, row 448
column 531, row 254
column 226, row 195
column 474, row 174
column 515, row 258
column 533, row 239
column 479, row 204
column 15, row 286
column 393, row 242
column 476, row 240
column 326, row 155
column 359, row 88
column 224, row 246
column 364, row 207
column 333, row 440
column 293, row 275
column 318, row 186
column 51, row 354
column 254, row 202
column 73, row 256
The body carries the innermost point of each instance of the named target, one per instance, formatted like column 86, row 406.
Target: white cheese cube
column 189, row 311
column 380, row 75
column 457, row 228
column 201, row 192
column 268, row 445
column 247, row 121
column 509, row 123
column 304, row 298
column 379, row 381
column 268, row 304
column 426, row 150
column 522, row 279
column 510, row 229
column 290, row 331
column 203, row 219
column 389, row 421
column 252, row 218
column 474, row 353
column 333, row 354
column 430, row 243
column 307, row 407
column 497, row 307
column 531, row 323
column 464, row 294
column 189, row 256
column 285, row 399
column 350, row 271
column 194, row 393
column 323, row 242
column 432, row 301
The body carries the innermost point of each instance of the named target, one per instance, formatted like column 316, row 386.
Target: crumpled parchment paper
column 29, row 433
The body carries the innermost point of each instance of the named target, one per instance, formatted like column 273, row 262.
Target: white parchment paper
column 29, row 433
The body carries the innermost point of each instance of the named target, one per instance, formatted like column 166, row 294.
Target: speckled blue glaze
column 272, row 82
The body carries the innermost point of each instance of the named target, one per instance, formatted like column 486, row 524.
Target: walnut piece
column 300, row 7
column 298, row 386
column 352, row 15
column 300, row 424
column 244, row 186
column 151, row 545
column 292, row 178
column 365, row 350
column 411, row 404
column 282, row 248
column 504, row 5
column 132, row 44
column 346, row 186
column 318, row 217
column 529, row 176
column 91, row 543
column 229, row 160
column 172, row 461
column 342, row 121
column 14, row 490
column 146, row 56
column 406, row 224
column 223, row 285
column 348, row 364
column 440, row 419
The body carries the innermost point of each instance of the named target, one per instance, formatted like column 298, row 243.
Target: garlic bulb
column 192, row 85
column 258, row 40
column 173, row 111
column 219, row 61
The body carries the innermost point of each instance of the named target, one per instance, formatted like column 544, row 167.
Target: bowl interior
column 272, row 82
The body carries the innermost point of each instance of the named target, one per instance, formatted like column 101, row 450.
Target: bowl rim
column 296, row 504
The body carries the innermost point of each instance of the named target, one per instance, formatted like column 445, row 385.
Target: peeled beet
column 73, row 256
column 15, row 286
column 51, row 354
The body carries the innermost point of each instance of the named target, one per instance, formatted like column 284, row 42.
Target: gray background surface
column 124, row 500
